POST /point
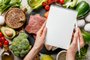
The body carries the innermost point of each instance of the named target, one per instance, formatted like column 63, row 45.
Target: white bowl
column 60, row 56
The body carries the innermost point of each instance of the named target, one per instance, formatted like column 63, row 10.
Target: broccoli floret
column 20, row 45
column 23, row 35
column 23, row 52
column 16, row 53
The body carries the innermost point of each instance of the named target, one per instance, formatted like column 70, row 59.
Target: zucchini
column 83, row 8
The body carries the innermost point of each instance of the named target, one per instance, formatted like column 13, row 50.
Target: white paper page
column 60, row 25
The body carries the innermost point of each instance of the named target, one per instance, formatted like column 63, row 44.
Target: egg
column 87, row 27
column 88, row 18
column 81, row 23
column 2, row 20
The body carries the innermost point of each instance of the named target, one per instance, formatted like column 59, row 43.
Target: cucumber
column 83, row 8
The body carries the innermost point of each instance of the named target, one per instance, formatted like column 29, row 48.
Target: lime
column 34, row 4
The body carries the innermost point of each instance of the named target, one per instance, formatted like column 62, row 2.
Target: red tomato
column 0, row 40
column 61, row 1
column 47, row 7
column 6, row 42
column 1, row 44
column 50, row 1
column 3, row 39
column 1, row 35
column 44, row 3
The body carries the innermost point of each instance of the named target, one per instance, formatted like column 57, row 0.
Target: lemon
column 46, row 57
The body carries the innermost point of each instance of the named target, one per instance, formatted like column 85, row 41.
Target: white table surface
column 88, row 53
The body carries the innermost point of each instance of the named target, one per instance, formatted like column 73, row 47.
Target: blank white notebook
column 60, row 25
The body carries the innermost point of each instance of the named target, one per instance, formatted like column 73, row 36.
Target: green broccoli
column 20, row 45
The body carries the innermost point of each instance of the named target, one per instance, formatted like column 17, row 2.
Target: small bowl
column 61, row 55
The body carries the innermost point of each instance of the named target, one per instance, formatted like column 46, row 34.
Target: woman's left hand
column 40, row 38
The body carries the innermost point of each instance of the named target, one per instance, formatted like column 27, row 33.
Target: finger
column 72, row 35
column 75, row 37
column 81, row 38
column 80, row 34
column 44, row 33
column 42, row 28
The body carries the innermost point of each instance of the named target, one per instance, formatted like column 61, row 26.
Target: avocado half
column 4, row 29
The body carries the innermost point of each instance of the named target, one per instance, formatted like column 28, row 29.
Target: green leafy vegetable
column 6, row 4
column 20, row 45
column 15, row 1
column 86, row 36
column 6, row 1
column 70, row 3
column 83, row 53
column 34, row 4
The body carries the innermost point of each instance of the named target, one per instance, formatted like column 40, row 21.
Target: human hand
column 74, row 45
column 38, row 45
column 40, row 38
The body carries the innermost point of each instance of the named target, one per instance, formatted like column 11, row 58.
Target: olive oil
column 7, row 54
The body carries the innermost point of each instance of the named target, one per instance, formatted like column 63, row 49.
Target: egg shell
column 81, row 23
column 87, row 27
column 88, row 18
column 2, row 20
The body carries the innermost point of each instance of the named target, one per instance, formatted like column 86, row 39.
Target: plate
column 31, row 39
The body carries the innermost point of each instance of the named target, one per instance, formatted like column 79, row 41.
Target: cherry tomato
column 44, row 3
column 0, row 40
column 6, row 42
column 1, row 44
column 3, row 39
column 61, row 1
column 50, row 1
column 1, row 35
column 47, row 7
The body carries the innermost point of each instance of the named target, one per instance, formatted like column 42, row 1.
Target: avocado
column 8, row 32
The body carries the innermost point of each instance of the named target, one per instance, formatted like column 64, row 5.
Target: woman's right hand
column 71, row 52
